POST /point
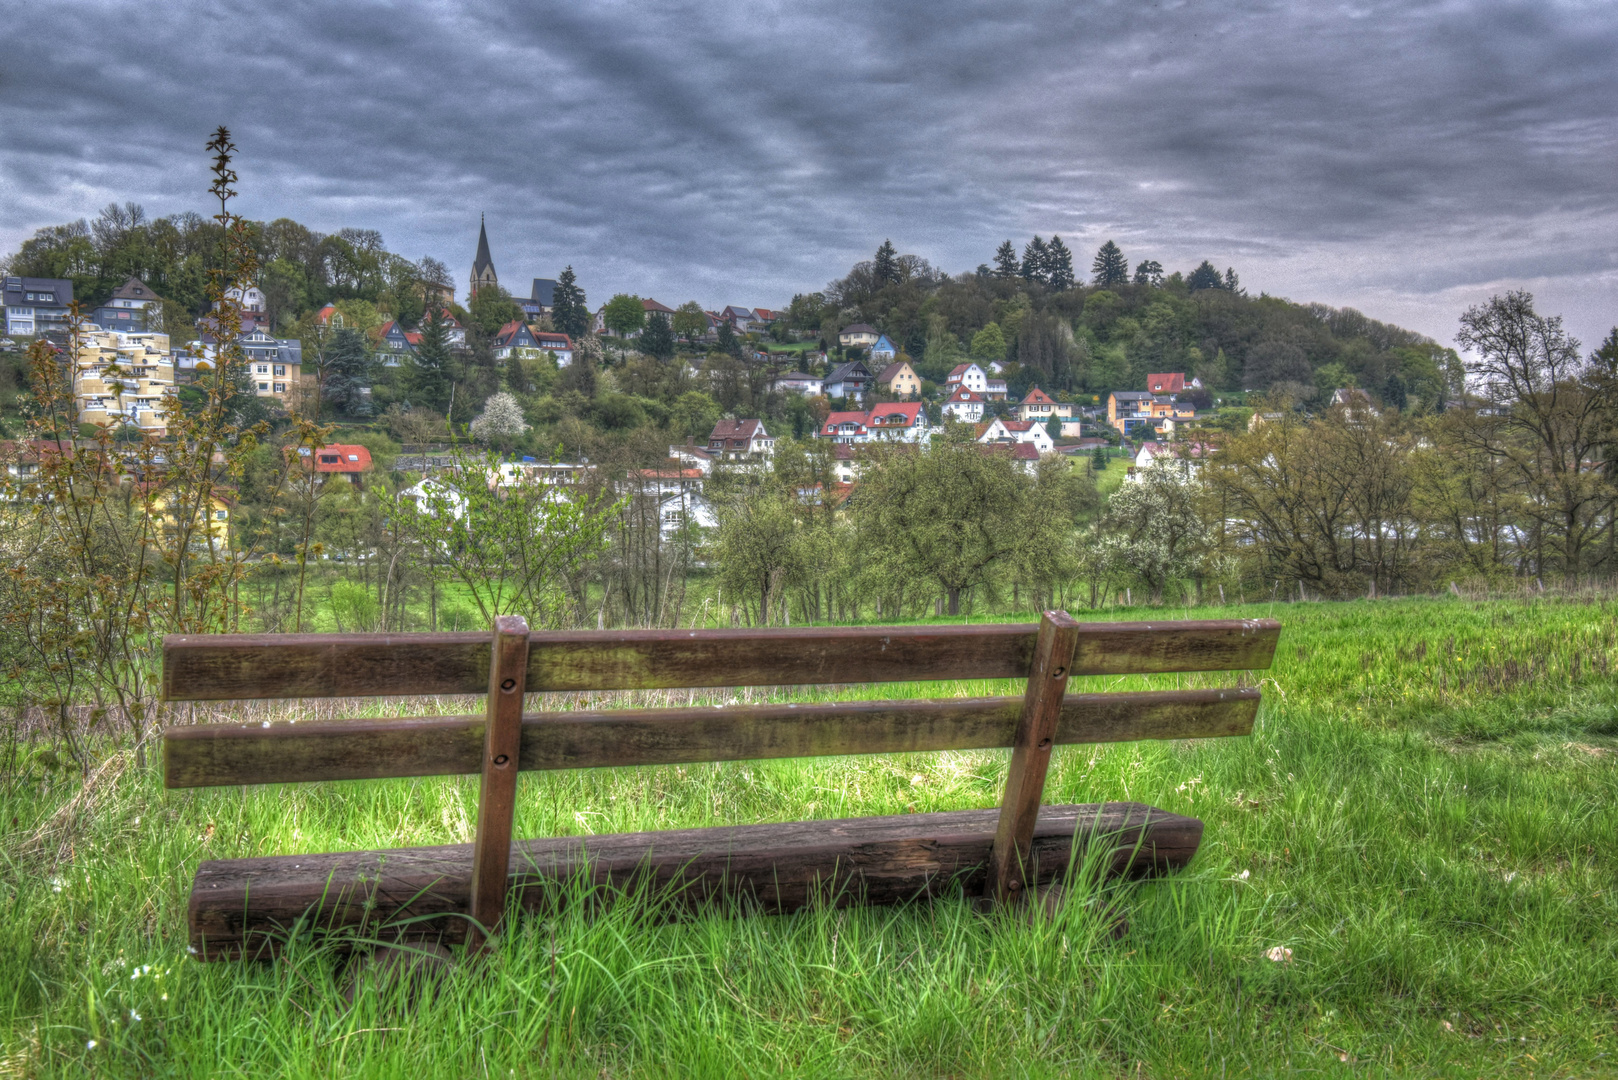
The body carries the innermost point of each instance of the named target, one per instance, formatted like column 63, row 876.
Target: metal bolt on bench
column 244, row 907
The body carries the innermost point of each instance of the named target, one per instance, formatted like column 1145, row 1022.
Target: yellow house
column 212, row 526
column 123, row 379
column 899, row 380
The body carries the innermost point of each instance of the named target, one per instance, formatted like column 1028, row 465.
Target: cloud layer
column 1404, row 157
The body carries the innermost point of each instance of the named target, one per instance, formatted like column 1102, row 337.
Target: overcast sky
column 1405, row 158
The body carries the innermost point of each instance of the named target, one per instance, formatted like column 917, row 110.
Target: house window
column 219, row 515
column 280, row 388
column 264, row 387
column 263, row 369
column 280, row 369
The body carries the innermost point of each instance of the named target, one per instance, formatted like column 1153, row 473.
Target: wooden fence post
column 1031, row 754
column 497, row 798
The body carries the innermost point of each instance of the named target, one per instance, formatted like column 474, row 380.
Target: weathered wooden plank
column 239, row 666
column 247, row 906
column 1031, row 746
column 497, row 796
column 220, row 754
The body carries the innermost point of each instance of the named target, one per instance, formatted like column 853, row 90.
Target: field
column 1425, row 817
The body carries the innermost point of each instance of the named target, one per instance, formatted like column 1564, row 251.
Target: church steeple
column 483, row 265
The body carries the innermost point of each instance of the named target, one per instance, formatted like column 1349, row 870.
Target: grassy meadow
column 1426, row 817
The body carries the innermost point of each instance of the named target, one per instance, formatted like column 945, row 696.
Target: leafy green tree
column 1053, row 427
column 492, row 309
column 348, row 379
column 989, row 343
column 1205, row 277
column 1005, row 261
column 658, row 338
column 1110, row 267
column 1034, row 267
column 1149, row 272
column 886, row 267
column 758, row 547
column 569, row 310
column 1153, row 529
column 1059, row 264
column 624, row 314
column 694, row 414
column 941, row 515
column 427, row 370
column 691, row 322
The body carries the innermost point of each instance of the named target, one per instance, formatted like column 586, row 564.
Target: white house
column 799, row 382
column 898, row 422
column 1187, row 457
column 858, row 336
column 740, row 440
column 685, row 508
column 1018, row 431
column 968, row 377
column 964, row 405
column 845, row 428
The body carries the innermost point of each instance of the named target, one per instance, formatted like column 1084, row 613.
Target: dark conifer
column 1059, row 264
column 1005, row 261
column 886, row 268
column 569, row 310
column 1034, row 258
column 1205, row 277
column 1110, row 267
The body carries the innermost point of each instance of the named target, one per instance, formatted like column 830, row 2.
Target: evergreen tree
column 1232, row 282
column 658, row 338
column 349, row 380
column 1098, row 459
column 1034, row 261
column 1149, row 272
column 1059, row 263
column 427, row 371
column 1005, row 261
column 1205, row 277
column 886, row 268
column 1053, row 427
column 1110, row 267
column 569, row 311
column 728, row 341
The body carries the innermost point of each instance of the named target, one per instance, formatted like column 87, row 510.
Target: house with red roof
column 1170, row 383
column 898, row 422
column 964, row 405
column 967, row 376
column 1039, row 407
column 845, row 428
column 515, row 339
column 349, row 461
column 557, row 343
column 1008, row 432
column 740, row 440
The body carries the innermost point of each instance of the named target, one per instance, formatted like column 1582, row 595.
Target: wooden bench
column 247, row 906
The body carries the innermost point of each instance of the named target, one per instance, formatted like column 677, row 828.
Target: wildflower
column 1244, row 875
column 165, row 997
column 56, row 884
column 91, row 1045
column 1280, row 954
column 918, row 780
column 134, row 1017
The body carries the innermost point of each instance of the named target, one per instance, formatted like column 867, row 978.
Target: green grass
column 1425, row 815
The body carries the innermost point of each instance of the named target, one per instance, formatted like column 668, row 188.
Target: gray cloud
column 1403, row 157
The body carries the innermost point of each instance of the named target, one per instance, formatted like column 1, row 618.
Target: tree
column 1205, row 277
column 348, row 382
column 1005, row 261
column 658, row 339
column 1110, row 267
column 1153, row 529
column 569, row 310
column 500, row 422
column 1149, row 272
column 1034, row 261
column 886, row 267
column 1233, row 283
column 1551, row 421
column 691, row 322
column 694, row 414
column 941, row 515
column 757, row 547
column 728, row 342
column 624, row 314
column 1053, row 427
column 989, row 343
column 1059, row 264
column 491, row 310
column 427, row 370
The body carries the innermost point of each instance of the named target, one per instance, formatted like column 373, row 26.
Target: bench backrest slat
column 242, row 666
column 433, row 746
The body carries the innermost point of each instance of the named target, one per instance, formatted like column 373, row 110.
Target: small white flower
column 56, row 884
column 91, row 1045
column 918, row 780
column 137, row 819
column 266, row 723
column 1244, row 875
column 165, row 997
column 134, row 1016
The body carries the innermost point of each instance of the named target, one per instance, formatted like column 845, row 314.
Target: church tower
column 483, row 266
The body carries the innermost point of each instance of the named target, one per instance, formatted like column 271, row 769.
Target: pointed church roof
column 483, row 259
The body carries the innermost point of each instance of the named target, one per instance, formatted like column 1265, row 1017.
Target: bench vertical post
column 1031, row 754
column 497, row 797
